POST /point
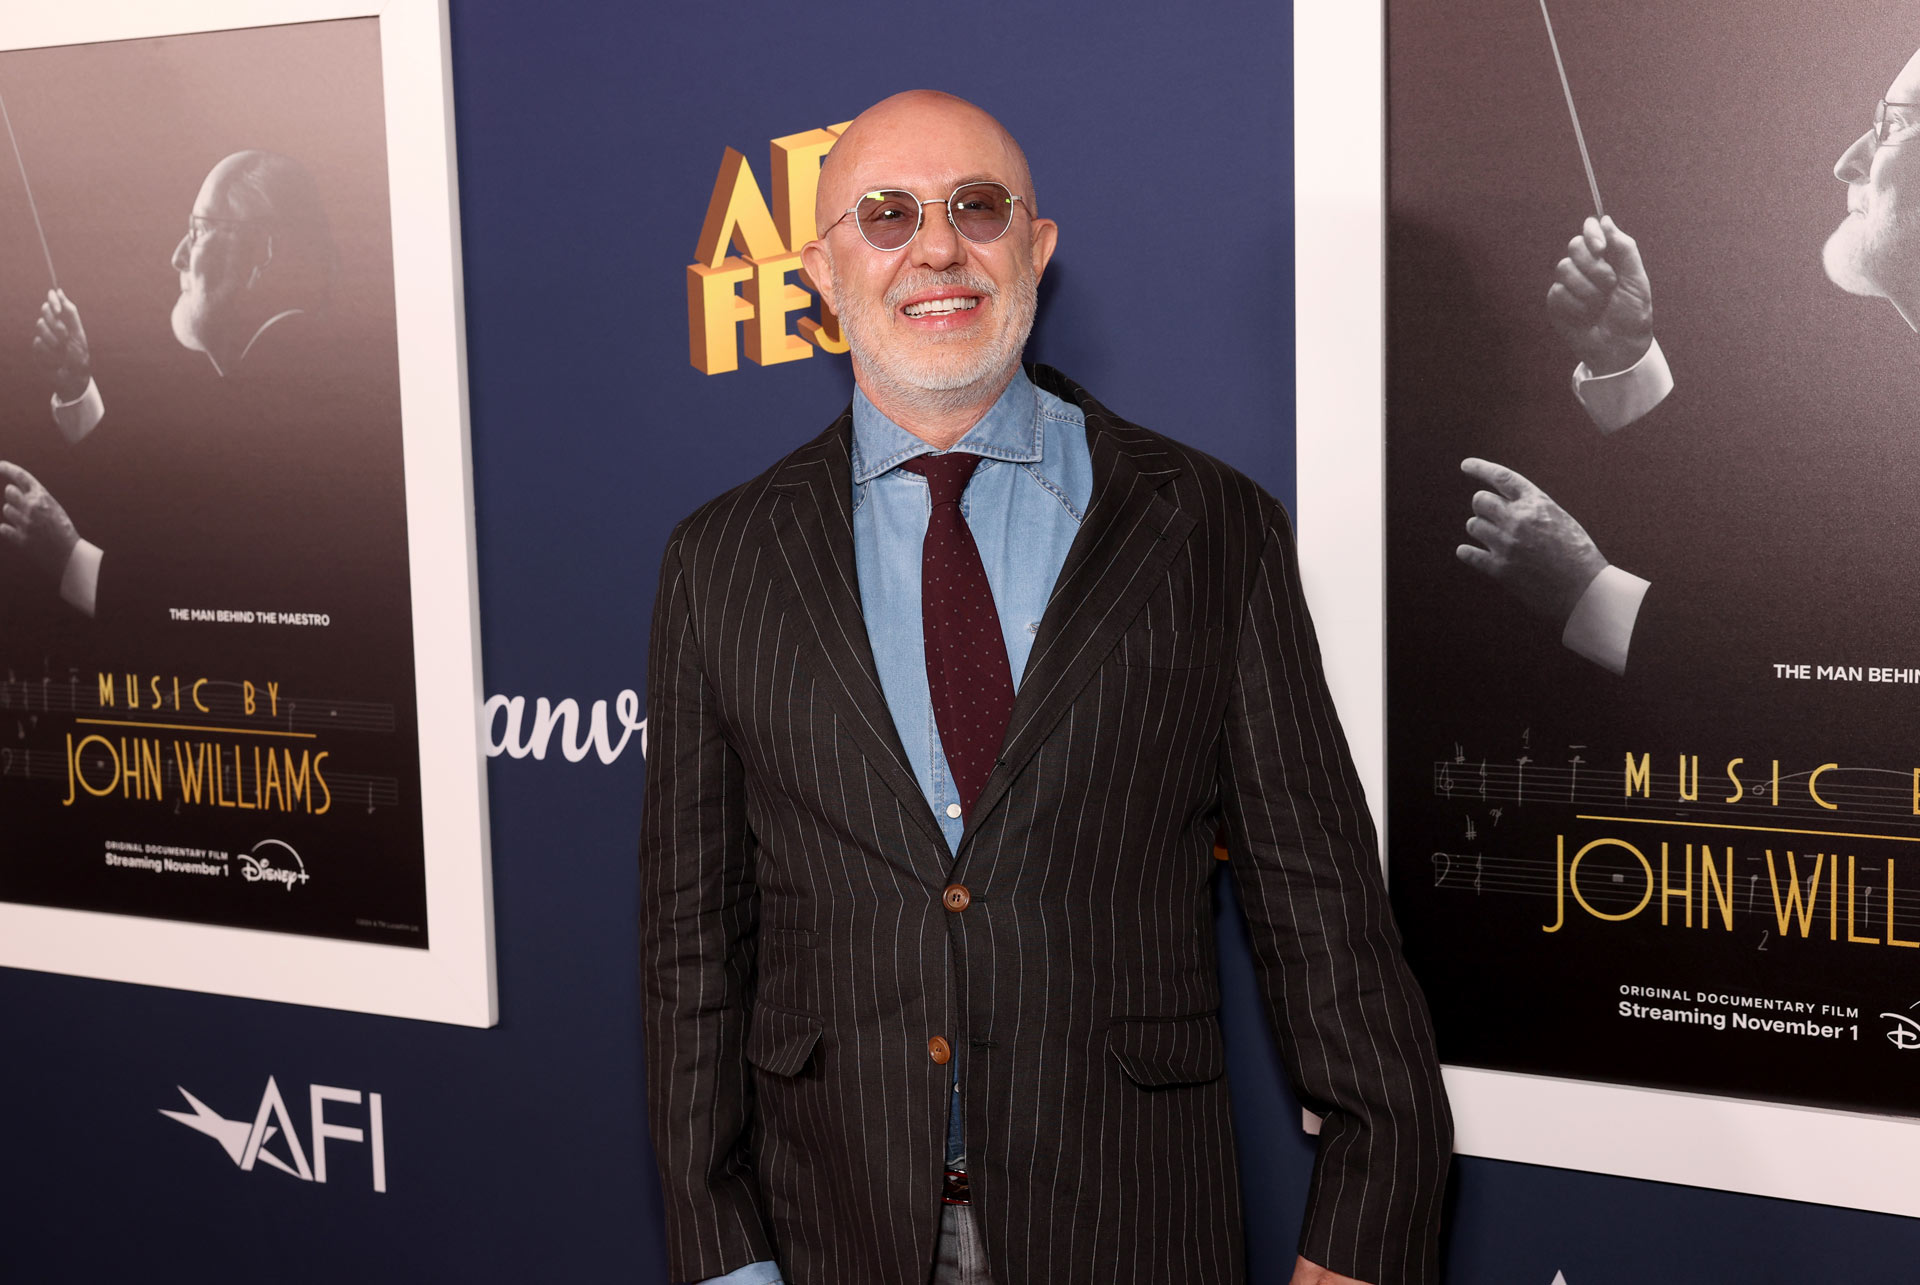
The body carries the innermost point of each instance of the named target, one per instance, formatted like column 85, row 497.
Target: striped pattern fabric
column 797, row 957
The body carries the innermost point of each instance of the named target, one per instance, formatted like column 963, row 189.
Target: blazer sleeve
column 1352, row 1026
column 698, row 918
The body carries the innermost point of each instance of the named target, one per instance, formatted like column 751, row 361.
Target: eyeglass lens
column 1890, row 118
column 980, row 212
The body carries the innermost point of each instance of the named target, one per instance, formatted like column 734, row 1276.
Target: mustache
column 957, row 278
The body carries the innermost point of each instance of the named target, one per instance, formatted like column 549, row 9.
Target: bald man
column 946, row 710
column 255, row 265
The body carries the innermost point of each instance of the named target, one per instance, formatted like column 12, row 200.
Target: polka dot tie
column 967, row 671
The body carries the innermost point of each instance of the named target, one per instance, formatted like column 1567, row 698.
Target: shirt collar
column 1011, row 430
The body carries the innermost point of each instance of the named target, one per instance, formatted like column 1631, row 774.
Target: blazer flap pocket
column 1156, row 1052
column 780, row 1040
column 1172, row 648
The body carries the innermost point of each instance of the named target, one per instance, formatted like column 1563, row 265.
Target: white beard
column 189, row 314
column 1874, row 255
column 932, row 379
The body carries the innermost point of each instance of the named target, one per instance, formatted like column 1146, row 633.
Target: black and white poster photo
column 206, row 650
column 1653, row 518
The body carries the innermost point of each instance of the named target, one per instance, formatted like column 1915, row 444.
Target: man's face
column 1876, row 249
column 215, row 260
column 897, row 307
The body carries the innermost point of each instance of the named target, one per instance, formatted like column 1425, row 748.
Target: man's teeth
column 940, row 307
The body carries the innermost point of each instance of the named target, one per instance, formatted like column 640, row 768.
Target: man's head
column 905, row 354
column 1876, row 250
column 257, row 244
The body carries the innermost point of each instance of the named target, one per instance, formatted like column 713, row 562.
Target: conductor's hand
column 60, row 346
column 1527, row 542
column 33, row 522
column 1601, row 301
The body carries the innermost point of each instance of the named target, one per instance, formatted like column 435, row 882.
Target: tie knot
column 946, row 474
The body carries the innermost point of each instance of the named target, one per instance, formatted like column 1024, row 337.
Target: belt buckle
column 955, row 1191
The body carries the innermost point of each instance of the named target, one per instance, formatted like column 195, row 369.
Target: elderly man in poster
column 1601, row 303
column 946, row 709
column 255, row 265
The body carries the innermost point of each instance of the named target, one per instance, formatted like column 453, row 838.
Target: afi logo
column 247, row 1143
column 1905, row 1031
column 259, row 867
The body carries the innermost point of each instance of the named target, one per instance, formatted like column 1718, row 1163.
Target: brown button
column 956, row 897
column 939, row 1050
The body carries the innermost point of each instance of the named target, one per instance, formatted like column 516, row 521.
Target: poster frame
column 454, row 979
column 1821, row 1156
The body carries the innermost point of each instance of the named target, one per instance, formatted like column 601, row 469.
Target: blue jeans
column 961, row 1258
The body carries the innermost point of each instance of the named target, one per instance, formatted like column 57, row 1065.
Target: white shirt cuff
column 77, row 418
column 751, row 1274
column 1601, row 626
column 80, row 582
column 1615, row 401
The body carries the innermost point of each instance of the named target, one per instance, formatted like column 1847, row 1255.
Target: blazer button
column 956, row 898
column 939, row 1050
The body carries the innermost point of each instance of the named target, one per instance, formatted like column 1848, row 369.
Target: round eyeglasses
column 889, row 218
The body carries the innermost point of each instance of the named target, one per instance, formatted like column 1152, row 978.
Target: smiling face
column 1876, row 249
column 942, row 322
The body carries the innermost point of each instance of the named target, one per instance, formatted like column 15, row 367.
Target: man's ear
column 266, row 258
column 1044, row 237
column 819, row 267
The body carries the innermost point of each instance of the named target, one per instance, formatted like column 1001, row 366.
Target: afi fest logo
column 270, row 1137
column 258, row 865
column 726, row 292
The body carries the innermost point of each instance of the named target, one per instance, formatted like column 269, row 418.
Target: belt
column 955, row 1191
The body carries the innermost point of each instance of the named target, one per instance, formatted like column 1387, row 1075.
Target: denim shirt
column 1023, row 504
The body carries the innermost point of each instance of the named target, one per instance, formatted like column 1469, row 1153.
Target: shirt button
column 939, row 1050
column 953, row 810
column 956, row 898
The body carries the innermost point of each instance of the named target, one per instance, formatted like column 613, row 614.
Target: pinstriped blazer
column 798, row 958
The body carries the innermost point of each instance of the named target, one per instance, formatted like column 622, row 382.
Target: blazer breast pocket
column 1173, row 648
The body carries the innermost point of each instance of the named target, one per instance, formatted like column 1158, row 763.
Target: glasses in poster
column 1892, row 118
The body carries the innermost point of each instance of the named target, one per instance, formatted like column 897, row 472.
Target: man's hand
column 1532, row 545
column 1306, row 1273
column 1601, row 301
column 32, row 521
column 60, row 347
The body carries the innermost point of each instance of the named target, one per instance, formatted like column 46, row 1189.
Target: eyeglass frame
column 920, row 213
column 213, row 221
column 1880, row 131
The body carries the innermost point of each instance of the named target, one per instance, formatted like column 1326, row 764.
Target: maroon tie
column 967, row 672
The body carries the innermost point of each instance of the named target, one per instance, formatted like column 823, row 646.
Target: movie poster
column 1653, row 768
column 207, row 711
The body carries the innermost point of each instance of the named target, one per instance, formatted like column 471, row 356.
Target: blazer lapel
column 1130, row 533
column 812, row 534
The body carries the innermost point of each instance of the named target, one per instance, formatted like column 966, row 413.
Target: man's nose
column 1856, row 162
column 181, row 251
column 938, row 246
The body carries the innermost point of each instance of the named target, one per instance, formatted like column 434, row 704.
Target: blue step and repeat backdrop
column 591, row 134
